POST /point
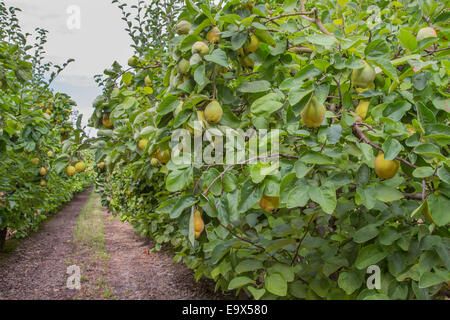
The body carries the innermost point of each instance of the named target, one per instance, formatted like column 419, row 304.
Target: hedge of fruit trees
column 357, row 94
column 34, row 123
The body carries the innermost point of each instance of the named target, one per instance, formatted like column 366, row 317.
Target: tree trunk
column 2, row 239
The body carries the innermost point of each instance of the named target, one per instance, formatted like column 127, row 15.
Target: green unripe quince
column 70, row 170
column 213, row 112
column 201, row 48
column 148, row 81
column 80, row 166
column 183, row 27
column 363, row 77
column 133, row 61
column 254, row 44
column 313, row 113
column 183, row 66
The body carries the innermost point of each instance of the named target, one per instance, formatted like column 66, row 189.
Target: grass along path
column 89, row 253
column 117, row 263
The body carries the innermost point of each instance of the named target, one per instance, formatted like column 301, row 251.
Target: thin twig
column 360, row 135
column 300, row 242
column 436, row 50
column 424, row 186
column 288, row 15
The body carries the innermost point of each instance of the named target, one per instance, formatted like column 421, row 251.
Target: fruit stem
column 357, row 132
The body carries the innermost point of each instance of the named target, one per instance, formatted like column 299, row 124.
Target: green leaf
column 250, row 195
column 192, row 7
column 312, row 157
column 388, row 236
column 429, row 149
column 254, row 86
column 301, row 169
column 439, row 209
column 222, row 211
column 369, row 255
column 257, row 293
column 286, row 271
column 297, row 94
column 310, row 71
column 429, row 279
column 349, row 281
column 218, row 56
column 387, row 194
column 366, row 233
column 320, row 286
column 238, row 39
column 443, row 174
column 322, row 40
column 377, row 49
column 289, row 5
column 248, row 265
column 199, row 75
column 298, row 197
column 276, row 284
column 127, row 77
column 239, row 282
column 266, row 105
column 423, row 172
column 424, row 115
column 178, row 180
column 169, row 104
column 182, row 204
column 391, row 148
column 408, row 40
column 387, row 67
column 325, row 195
column 298, row 289
column 191, row 234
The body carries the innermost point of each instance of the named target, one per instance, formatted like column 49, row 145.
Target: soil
column 37, row 269
column 125, row 269
column 136, row 273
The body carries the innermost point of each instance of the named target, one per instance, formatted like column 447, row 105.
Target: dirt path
column 37, row 268
column 135, row 273
column 123, row 268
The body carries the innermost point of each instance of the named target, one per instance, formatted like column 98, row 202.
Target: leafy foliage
column 335, row 217
column 34, row 122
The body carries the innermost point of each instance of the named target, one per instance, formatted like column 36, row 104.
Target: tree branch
column 290, row 15
column 357, row 132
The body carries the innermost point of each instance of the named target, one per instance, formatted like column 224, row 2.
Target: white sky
column 100, row 40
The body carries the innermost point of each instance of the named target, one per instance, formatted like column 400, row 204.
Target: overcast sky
column 100, row 40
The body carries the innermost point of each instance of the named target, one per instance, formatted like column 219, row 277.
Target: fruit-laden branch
column 287, row 156
column 362, row 137
column 304, row 15
column 437, row 50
